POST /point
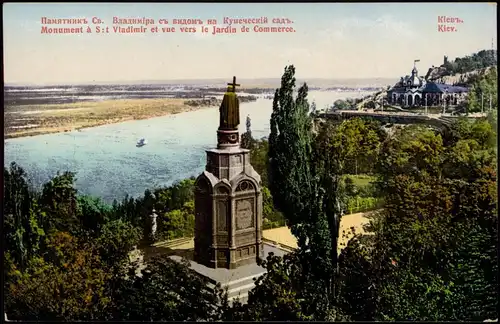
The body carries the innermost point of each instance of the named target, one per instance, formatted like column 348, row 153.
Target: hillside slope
column 462, row 69
column 459, row 79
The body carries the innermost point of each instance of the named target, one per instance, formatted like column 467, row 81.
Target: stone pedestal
column 228, row 138
column 228, row 208
column 237, row 281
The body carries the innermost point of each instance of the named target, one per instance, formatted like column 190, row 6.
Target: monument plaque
column 244, row 214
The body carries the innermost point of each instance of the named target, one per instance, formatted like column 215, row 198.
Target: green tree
column 258, row 152
column 415, row 151
column 59, row 201
column 92, row 212
column 484, row 91
column 272, row 217
column 173, row 197
column 165, row 291
column 329, row 165
column 290, row 151
column 440, row 254
column 128, row 209
column 484, row 133
column 277, row 295
column 492, row 119
column 259, row 159
column 115, row 241
column 431, row 255
column 70, row 284
column 72, row 272
column 175, row 224
column 23, row 218
column 314, row 109
column 343, row 104
column 305, row 188
column 358, row 142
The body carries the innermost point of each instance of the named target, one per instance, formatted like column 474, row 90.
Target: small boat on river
column 142, row 142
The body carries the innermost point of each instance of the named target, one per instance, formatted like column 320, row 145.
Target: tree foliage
column 67, row 283
column 66, row 255
column 432, row 255
column 484, row 92
column 305, row 184
column 479, row 60
column 290, row 150
column 60, row 202
column 165, row 291
column 357, row 143
column 344, row 104
column 23, row 218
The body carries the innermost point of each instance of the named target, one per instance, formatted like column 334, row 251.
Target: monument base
column 229, row 258
column 238, row 281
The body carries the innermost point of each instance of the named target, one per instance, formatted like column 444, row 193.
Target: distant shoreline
column 264, row 83
column 34, row 120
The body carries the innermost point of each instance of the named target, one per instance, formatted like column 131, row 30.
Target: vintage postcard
column 156, row 152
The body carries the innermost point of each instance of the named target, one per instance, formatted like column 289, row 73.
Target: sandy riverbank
column 30, row 120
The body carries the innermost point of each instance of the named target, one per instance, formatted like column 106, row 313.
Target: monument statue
column 249, row 124
column 153, row 223
column 152, row 226
column 228, row 198
column 230, row 108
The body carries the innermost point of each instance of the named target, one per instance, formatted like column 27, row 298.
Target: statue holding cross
column 230, row 108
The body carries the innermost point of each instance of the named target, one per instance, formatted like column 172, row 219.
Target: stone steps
column 239, row 288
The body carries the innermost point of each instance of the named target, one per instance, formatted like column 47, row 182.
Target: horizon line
column 188, row 80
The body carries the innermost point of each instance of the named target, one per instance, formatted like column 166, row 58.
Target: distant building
column 413, row 91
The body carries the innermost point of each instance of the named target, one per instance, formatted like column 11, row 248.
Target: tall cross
column 234, row 84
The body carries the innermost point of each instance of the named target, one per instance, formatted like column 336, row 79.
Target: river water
column 108, row 164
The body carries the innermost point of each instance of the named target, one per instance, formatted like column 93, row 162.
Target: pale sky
column 332, row 40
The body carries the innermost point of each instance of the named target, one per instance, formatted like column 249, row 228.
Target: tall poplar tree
column 290, row 154
column 303, row 186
